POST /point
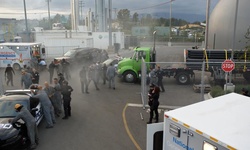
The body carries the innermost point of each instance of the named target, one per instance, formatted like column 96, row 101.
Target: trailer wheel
column 183, row 78
column 246, row 76
column 129, row 77
column 16, row 67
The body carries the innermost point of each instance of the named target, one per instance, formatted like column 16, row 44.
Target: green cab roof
column 143, row 48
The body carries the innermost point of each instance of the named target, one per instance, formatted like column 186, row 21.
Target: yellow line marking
column 127, row 129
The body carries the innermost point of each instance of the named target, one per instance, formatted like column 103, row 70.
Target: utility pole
column 26, row 22
column 207, row 23
column 81, row 5
column 49, row 24
column 234, row 33
column 170, row 23
column 110, row 23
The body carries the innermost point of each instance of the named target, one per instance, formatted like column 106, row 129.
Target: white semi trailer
column 221, row 123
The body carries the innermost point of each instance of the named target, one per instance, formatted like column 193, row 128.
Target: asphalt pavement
column 109, row 119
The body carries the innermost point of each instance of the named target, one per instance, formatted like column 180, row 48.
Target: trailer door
column 155, row 136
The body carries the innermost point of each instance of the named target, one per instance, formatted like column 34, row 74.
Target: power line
column 153, row 6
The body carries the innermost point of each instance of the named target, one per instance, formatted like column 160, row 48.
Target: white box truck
column 221, row 123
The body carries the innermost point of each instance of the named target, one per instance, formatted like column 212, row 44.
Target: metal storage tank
column 221, row 24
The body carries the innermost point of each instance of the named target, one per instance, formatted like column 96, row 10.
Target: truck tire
column 246, row 76
column 183, row 78
column 129, row 77
column 16, row 67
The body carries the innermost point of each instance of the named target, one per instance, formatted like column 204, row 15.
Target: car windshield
column 70, row 53
column 7, row 108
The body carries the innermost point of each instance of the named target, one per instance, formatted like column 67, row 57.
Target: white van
column 220, row 123
column 20, row 54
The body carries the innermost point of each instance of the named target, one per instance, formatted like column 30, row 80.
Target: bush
column 239, row 87
column 218, row 91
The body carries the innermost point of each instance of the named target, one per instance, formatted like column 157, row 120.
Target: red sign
column 228, row 66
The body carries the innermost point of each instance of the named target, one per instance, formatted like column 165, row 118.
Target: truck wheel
column 16, row 67
column 246, row 76
column 183, row 78
column 129, row 77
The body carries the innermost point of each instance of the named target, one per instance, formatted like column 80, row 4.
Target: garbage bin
column 117, row 47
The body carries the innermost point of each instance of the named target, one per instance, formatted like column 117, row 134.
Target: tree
column 135, row 18
column 56, row 19
column 68, row 24
column 123, row 17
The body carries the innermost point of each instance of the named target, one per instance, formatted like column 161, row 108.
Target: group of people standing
column 94, row 72
column 156, row 77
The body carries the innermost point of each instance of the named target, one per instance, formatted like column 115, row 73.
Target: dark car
column 14, row 136
column 85, row 56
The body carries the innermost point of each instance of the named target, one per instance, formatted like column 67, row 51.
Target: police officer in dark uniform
column 66, row 92
column 61, row 79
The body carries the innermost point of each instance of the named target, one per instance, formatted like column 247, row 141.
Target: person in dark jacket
column 104, row 71
column 61, row 79
column 9, row 74
column 159, row 75
column 25, row 115
column 66, row 92
column 154, row 97
column 52, row 67
column 84, row 80
column 35, row 76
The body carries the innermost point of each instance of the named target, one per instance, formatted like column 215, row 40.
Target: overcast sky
column 37, row 9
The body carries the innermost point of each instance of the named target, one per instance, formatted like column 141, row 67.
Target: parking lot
column 103, row 120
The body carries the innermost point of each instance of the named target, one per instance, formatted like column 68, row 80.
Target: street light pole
column 26, row 22
column 110, row 23
column 49, row 24
column 170, row 21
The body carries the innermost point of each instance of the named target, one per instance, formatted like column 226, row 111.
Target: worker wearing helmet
column 30, row 122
